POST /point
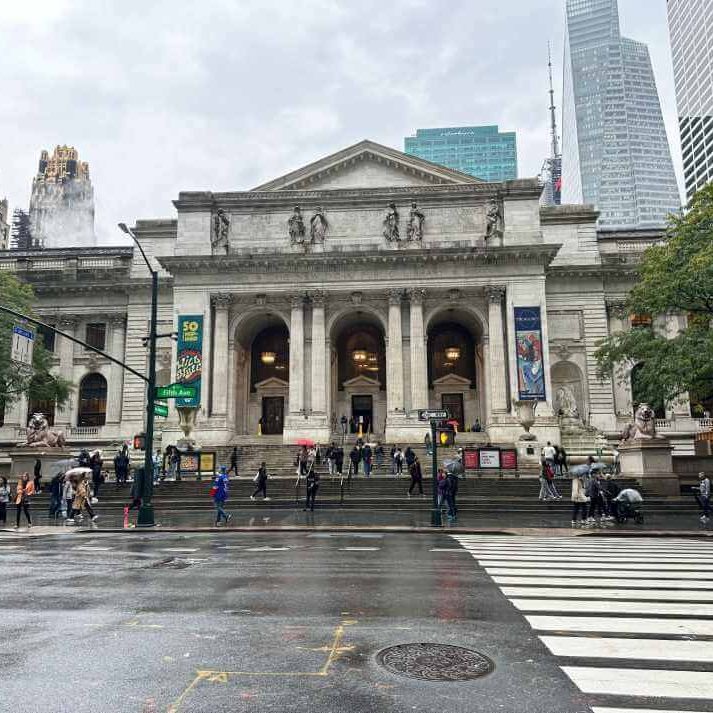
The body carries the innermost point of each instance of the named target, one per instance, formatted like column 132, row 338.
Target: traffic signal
column 446, row 436
column 140, row 442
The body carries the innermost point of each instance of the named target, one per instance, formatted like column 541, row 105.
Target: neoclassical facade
column 369, row 284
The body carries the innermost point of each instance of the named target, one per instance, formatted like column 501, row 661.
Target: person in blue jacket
column 219, row 493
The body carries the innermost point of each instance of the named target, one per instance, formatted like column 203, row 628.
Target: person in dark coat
column 261, row 482
column 95, row 463
column 355, row 457
column 234, row 462
column 409, row 457
column 312, row 481
column 366, row 457
column 451, row 494
column 38, row 476
column 416, row 477
column 339, row 459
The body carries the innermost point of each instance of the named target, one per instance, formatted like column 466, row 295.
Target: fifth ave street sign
column 428, row 414
column 23, row 341
column 175, row 391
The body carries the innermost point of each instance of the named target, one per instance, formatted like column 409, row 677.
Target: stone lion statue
column 644, row 426
column 39, row 434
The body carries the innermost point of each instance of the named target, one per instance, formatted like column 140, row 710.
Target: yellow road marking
column 334, row 651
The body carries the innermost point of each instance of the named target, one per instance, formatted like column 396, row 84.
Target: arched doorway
column 261, row 374
column 358, row 372
column 456, row 367
column 92, row 401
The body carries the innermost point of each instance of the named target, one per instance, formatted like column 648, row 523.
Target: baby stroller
column 629, row 506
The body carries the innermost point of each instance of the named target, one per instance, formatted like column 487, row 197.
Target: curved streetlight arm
column 125, row 228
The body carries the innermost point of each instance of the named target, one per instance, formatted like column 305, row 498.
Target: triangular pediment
column 362, row 382
column 452, row 381
column 367, row 165
column 272, row 383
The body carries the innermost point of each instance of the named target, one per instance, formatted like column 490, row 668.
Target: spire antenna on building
column 553, row 109
column 551, row 176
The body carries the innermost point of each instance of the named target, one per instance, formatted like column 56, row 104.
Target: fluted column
column 319, row 357
column 221, row 305
column 116, row 373
column 297, row 345
column 65, row 351
column 419, row 364
column 497, row 375
column 394, row 357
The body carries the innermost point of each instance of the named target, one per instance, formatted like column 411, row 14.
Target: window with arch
column 451, row 350
column 92, row 401
column 270, row 357
column 361, row 352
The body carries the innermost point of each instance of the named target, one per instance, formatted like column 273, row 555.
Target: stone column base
column 649, row 461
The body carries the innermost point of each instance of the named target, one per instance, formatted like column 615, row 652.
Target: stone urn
column 187, row 422
column 526, row 416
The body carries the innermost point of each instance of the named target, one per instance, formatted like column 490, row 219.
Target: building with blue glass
column 480, row 151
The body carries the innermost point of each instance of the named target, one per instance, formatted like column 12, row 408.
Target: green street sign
column 175, row 391
column 160, row 410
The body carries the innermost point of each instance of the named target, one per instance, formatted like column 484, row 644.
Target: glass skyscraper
column 615, row 152
column 690, row 25
column 481, row 151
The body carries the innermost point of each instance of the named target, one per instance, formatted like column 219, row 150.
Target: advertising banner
column 470, row 459
column 489, row 458
column 508, row 459
column 530, row 362
column 189, row 356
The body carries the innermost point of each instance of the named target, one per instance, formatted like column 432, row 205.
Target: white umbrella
column 78, row 472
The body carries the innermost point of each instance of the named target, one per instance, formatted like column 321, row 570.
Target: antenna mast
column 553, row 114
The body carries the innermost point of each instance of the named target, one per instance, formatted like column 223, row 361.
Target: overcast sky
column 167, row 95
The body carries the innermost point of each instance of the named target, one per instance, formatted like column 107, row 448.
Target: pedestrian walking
column 344, row 422
column 56, row 495
column 451, row 492
column 354, row 458
column 24, row 491
column 234, row 462
column 703, row 496
column 548, row 454
column 409, row 456
column 176, row 464
column 548, row 491
column 95, row 463
column 366, row 456
column 121, row 467
column 135, row 493
column 580, row 501
column 429, row 445
column 441, row 487
column 562, row 461
column 68, row 496
column 4, row 499
column 596, row 500
column 38, row 476
column 81, row 501
column 312, row 482
column 260, row 481
column 416, row 477
column 219, row 493
column 379, row 455
column 156, row 461
column 397, row 461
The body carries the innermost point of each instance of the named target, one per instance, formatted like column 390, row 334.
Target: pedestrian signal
column 446, row 436
column 140, row 442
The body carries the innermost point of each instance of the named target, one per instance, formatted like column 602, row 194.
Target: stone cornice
column 605, row 270
column 207, row 201
column 57, row 253
column 555, row 215
column 542, row 254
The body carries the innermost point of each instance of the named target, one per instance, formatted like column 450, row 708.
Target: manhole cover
column 435, row 662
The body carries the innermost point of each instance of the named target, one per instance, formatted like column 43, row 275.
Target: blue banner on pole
column 530, row 361
column 189, row 359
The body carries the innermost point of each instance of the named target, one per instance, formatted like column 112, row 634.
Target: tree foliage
column 37, row 383
column 676, row 277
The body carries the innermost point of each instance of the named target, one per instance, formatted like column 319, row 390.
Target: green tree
column 37, row 383
column 676, row 277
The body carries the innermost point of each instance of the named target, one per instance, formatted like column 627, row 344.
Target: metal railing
column 84, row 431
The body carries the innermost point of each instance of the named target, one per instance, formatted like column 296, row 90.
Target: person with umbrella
column 81, row 494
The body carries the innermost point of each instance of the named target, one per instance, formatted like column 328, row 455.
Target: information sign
column 489, row 458
column 175, row 391
column 428, row 414
column 23, row 342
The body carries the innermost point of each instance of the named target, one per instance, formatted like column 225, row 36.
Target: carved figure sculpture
column 416, row 218
column 493, row 221
column 221, row 229
column 40, row 435
column 644, row 426
column 391, row 224
column 296, row 227
column 566, row 402
column 318, row 226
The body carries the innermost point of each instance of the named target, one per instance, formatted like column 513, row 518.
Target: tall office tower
column 62, row 201
column 690, row 24
column 552, row 169
column 481, row 151
column 615, row 151
column 4, row 225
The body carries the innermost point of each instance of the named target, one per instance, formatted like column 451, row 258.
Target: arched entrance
column 456, row 367
column 261, row 374
column 358, row 372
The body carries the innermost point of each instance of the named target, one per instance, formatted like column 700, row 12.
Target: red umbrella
column 305, row 442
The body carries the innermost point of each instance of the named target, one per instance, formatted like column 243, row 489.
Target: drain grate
column 435, row 662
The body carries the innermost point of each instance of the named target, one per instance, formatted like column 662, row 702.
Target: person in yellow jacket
column 25, row 490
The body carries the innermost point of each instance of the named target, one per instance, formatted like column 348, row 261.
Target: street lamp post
column 146, row 514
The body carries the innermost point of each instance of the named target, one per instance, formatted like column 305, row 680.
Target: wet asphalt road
column 223, row 622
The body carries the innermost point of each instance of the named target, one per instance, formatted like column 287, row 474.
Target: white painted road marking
column 609, row 607
column 682, row 595
column 651, row 649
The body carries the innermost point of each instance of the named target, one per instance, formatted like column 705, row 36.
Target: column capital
column 221, row 300
column 67, row 321
column 318, row 298
column 395, row 297
column 297, row 300
column 616, row 308
column 117, row 320
column 417, row 295
column 495, row 293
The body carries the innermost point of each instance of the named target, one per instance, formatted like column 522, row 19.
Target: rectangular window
column 46, row 337
column 96, row 335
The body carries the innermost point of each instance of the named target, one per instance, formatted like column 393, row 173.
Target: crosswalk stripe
column 612, row 648
column 642, row 682
column 594, row 583
column 622, row 625
column 683, row 595
column 581, row 574
column 633, row 603
column 609, row 607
